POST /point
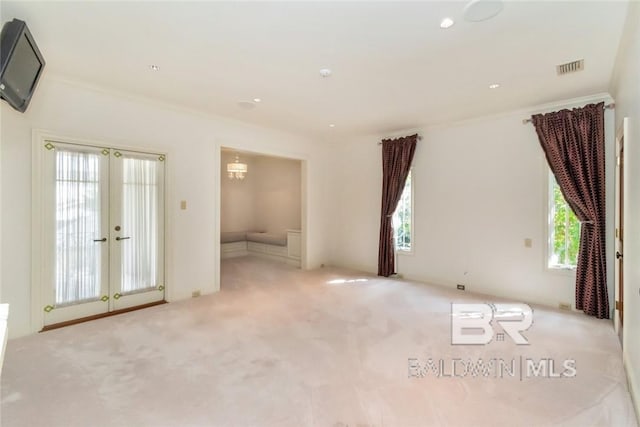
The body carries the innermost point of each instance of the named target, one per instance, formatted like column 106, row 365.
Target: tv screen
column 21, row 64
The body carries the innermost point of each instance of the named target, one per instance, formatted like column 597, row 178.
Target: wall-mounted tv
column 21, row 64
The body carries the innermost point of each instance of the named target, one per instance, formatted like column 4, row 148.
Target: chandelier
column 236, row 170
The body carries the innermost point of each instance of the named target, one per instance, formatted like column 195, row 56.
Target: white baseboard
column 244, row 248
column 234, row 254
column 293, row 261
column 451, row 284
column 632, row 380
column 4, row 317
column 233, row 249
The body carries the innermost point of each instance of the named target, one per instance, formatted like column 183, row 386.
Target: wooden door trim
column 100, row 316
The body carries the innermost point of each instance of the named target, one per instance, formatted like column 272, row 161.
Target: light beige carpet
column 282, row 347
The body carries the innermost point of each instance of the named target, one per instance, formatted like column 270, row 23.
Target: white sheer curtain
column 78, row 257
column 140, row 224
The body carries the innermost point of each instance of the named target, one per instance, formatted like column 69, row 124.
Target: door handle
column 122, row 238
column 618, row 255
column 104, row 239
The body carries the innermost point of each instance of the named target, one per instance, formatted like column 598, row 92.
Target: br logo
column 474, row 324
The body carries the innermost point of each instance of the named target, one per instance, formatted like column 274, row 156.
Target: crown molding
column 175, row 107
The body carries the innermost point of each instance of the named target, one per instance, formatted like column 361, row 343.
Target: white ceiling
column 393, row 67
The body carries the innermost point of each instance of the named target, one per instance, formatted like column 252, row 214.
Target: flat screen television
column 21, row 64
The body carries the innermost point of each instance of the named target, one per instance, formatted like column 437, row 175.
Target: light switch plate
column 528, row 243
column 183, row 205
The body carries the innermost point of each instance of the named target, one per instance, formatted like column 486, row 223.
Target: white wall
column 237, row 197
column 626, row 90
column 277, row 194
column 193, row 142
column 267, row 199
column 480, row 189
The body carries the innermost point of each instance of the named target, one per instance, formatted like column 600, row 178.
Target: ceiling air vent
column 570, row 67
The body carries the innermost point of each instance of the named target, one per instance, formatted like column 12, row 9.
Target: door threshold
column 100, row 316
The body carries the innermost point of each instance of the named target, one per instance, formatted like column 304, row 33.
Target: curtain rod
column 419, row 138
column 606, row 107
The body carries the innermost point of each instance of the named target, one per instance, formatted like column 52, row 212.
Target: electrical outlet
column 528, row 243
column 564, row 306
column 460, row 287
column 195, row 294
column 183, row 205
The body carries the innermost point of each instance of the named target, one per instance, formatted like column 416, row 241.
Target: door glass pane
column 78, row 257
column 140, row 224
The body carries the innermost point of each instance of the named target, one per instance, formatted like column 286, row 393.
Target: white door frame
column 621, row 135
column 39, row 255
column 304, row 198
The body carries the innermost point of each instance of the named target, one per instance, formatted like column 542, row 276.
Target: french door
column 104, row 230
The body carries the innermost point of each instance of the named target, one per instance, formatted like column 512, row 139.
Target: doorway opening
column 261, row 208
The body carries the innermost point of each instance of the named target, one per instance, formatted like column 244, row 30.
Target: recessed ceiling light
column 446, row 23
column 154, row 67
column 494, row 86
column 325, row 72
column 257, row 100
column 332, row 125
column 481, row 10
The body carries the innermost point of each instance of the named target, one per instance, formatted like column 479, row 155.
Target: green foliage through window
column 402, row 219
column 565, row 230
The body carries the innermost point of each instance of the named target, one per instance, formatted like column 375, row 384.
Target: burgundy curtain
column 397, row 155
column 573, row 142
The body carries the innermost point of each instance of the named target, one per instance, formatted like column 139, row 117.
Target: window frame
column 401, row 251
column 549, row 227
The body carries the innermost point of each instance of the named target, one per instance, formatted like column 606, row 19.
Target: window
column 564, row 230
column 403, row 218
